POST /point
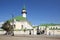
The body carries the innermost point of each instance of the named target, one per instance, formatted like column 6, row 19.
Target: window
column 51, row 28
column 56, row 27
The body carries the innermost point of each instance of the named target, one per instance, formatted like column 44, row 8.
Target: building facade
column 21, row 22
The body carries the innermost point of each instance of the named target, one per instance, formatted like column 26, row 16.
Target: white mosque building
column 21, row 22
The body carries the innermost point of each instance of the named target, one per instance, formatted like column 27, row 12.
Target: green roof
column 49, row 24
column 34, row 26
column 18, row 18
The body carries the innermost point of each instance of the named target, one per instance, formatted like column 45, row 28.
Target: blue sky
column 38, row 11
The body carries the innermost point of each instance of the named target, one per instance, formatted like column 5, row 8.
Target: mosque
column 21, row 22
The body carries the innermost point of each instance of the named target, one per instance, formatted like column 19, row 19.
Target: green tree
column 8, row 28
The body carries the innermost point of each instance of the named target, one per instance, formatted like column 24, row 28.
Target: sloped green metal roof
column 49, row 24
column 18, row 18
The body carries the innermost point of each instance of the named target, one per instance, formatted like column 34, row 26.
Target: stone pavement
column 29, row 37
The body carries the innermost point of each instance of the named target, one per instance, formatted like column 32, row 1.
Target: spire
column 24, row 8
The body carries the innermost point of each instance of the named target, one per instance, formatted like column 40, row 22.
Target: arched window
column 56, row 27
column 51, row 28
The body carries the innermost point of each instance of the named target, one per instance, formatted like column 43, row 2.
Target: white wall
column 41, row 27
column 53, row 32
column 24, row 23
column 19, row 32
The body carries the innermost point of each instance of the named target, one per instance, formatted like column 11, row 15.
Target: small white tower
column 24, row 12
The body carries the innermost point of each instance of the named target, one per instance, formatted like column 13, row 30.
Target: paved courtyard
column 29, row 37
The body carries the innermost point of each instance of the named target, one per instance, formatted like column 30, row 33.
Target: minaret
column 24, row 12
